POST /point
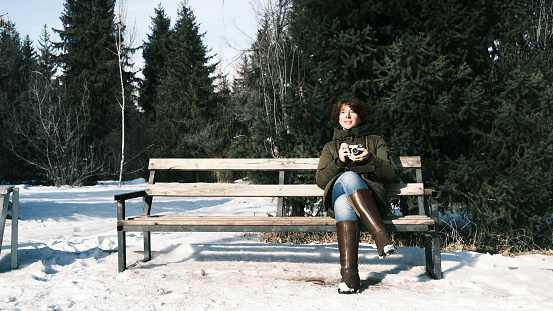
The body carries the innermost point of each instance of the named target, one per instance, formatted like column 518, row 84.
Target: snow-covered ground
column 68, row 261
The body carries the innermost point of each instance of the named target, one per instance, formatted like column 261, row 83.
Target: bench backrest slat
column 291, row 164
column 245, row 190
column 233, row 164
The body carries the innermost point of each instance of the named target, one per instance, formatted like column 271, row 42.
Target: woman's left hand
column 364, row 155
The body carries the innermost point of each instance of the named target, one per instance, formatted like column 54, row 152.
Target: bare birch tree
column 120, row 46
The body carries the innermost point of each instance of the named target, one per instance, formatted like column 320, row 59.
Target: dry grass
column 330, row 237
column 452, row 239
column 456, row 239
column 317, row 238
column 299, row 237
column 546, row 252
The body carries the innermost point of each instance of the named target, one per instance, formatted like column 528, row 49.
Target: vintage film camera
column 354, row 149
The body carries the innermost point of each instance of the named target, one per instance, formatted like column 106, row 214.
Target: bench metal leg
column 146, row 209
column 433, row 254
column 147, row 246
column 121, row 238
column 4, row 204
column 437, row 255
column 432, row 238
column 121, row 250
column 15, row 226
column 3, row 215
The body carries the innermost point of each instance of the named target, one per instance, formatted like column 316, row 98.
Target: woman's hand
column 360, row 157
column 343, row 152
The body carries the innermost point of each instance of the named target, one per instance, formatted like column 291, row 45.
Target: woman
column 353, row 170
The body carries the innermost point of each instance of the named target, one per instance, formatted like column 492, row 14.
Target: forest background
column 465, row 84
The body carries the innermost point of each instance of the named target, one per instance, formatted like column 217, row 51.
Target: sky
column 229, row 25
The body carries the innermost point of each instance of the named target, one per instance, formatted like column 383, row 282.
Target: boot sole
column 343, row 288
column 389, row 250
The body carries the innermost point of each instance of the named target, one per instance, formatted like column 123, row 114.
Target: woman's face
column 348, row 117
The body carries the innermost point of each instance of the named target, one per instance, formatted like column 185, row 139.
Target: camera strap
column 362, row 169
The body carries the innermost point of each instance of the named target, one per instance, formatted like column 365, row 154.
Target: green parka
column 382, row 168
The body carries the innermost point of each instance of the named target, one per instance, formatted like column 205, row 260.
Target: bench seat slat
column 247, row 190
column 257, row 221
column 260, row 224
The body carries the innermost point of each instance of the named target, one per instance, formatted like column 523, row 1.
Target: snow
column 68, row 261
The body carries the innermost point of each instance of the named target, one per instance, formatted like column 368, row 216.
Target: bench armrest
column 130, row 195
column 121, row 198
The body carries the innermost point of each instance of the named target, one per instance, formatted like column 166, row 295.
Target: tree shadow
column 37, row 252
column 461, row 260
column 72, row 206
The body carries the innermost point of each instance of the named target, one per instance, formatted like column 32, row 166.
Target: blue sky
column 229, row 25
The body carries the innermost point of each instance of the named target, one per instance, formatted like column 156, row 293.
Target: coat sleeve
column 327, row 168
column 384, row 167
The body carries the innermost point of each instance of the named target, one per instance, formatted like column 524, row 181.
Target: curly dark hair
column 357, row 105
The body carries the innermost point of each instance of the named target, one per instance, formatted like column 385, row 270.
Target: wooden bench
column 426, row 221
column 5, row 193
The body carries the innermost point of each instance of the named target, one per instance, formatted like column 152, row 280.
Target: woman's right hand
column 343, row 152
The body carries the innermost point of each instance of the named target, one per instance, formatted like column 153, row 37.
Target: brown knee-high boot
column 348, row 244
column 365, row 207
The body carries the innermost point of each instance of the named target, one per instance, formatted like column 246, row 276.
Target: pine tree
column 90, row 68
column 419, row 73
column 29, row 62
column 464, row 84
column 18, row 59
column 340, row 44
column 434, row 94
column 155, row 53
column 339, row 56
column 12, row 60
column 506, row 184
column 186, row 102
column 242, row 95
column 46, row 58
column 90, row 64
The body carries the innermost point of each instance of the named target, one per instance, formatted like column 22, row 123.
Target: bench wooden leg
column 433, row 254
column 121, row 250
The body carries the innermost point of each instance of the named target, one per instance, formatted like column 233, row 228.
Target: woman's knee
column 349, row 177
column 351, row 181
column 343, row 210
